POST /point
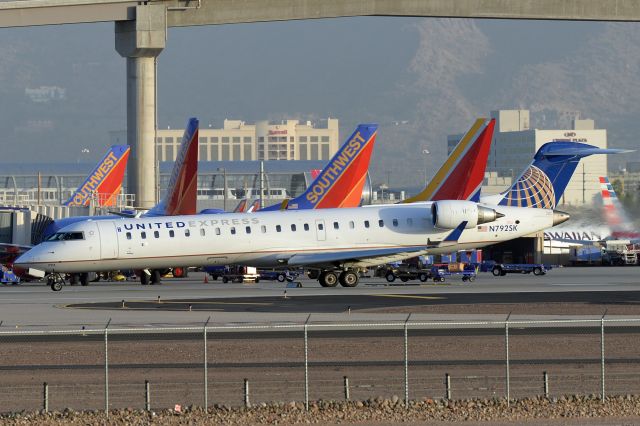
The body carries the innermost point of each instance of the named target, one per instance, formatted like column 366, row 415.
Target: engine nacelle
column 449, row 214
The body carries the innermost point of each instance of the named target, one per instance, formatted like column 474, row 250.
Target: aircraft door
column 108, row 239
column 321, row 232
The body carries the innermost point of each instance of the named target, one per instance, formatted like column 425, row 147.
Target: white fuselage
column 267, row 238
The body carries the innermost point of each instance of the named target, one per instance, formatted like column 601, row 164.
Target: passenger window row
column 278, row 228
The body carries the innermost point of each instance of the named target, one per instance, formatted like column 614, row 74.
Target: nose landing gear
column 55, row 281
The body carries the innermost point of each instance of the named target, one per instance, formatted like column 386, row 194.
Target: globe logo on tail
column 533, row 189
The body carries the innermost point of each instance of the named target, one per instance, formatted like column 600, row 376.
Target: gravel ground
column 562, row 411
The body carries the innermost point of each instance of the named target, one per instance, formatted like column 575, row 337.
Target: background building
column 238, row 141
column 515, row 143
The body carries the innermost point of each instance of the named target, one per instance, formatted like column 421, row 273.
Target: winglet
column 454, row 236
column 450, row 239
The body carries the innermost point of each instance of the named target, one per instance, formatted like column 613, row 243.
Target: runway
column 564, row 293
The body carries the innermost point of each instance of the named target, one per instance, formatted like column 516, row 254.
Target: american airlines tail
column 341, row 182
column 461, row 176
column 542, row 184
column 183, row 185
column 105, row 181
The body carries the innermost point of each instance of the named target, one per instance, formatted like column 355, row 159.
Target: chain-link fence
column 152, row 368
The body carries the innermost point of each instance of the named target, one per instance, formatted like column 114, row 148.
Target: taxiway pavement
column 563, row 292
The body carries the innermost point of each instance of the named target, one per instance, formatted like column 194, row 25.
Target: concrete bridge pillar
column 140, row 41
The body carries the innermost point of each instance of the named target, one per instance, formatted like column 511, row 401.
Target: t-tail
column 183, row 185
column 542, row 184
column 341, row 182
column 461, row 176
column 104, row 183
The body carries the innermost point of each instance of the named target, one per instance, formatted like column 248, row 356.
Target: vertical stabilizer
column 341, row 182
column 461, row 176
column 542, row 184
column 104, row 183
column 181, row 195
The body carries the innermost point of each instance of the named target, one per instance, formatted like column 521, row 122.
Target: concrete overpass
column 141, row 31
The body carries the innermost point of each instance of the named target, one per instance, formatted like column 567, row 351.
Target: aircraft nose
column 560, row 217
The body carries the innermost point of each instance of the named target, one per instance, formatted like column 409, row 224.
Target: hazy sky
column 355, row 69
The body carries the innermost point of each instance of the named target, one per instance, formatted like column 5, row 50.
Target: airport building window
column 278, row 228
column 128, row 235
column 324, row 139
column 381, row 223
column 187, row 233
column 325, row 151
column 233, row 230
column 293, row 227
column 336, row 225
column 217, row 231
column 314, row 139
column 236, row 139
column 260, row 138
column 225, row 139
column 351, row 224
column 214, row 139
column 156, row 234
column 143, row 235
column 202, row 232
column 263, row 228
column 248, row 229
column 247, row 139
column 306, row 226
column 302, row 139
column 395, row 222
column 366, row 223
column 171, row 233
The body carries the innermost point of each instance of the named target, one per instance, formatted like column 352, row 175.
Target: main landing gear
column 152, row 277
column 348, row 278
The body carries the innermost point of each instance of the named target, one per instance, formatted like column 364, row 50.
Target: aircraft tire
column 537, row 271
column 56, row 285
column 144, row 278
column 313, row 274
column 329, row 278
column 73, row 279
column 404, row 279
column 84, row 279
column 390, row 277
column 349, row 279
column 281, row 278
column 423, row 277
column 156, row 276
column 225, row 280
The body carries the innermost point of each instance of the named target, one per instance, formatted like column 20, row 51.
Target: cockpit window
column 66, row 236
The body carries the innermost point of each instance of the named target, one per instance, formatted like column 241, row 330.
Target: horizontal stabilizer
column 586, row 151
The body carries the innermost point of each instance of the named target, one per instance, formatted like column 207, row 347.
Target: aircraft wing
column 372, row 257
column 350, row 257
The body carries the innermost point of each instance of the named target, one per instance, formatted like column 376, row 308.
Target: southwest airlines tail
column 461, row 176
column 182, row 191
column 105, row 181
column 542, row 184
column 341, row 182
